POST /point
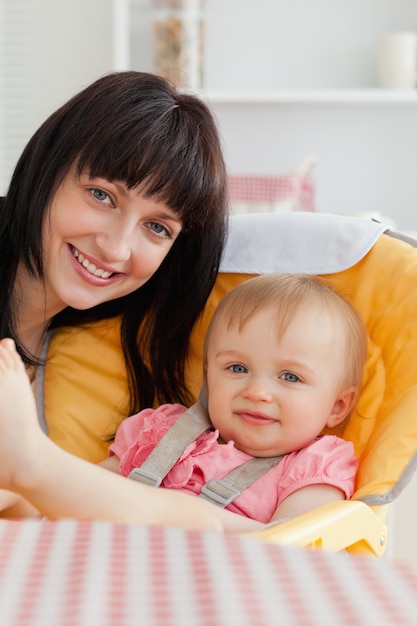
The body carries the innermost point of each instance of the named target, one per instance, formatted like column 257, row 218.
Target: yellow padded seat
column 86, row 388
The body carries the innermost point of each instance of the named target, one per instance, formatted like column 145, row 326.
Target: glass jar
column 179, row 41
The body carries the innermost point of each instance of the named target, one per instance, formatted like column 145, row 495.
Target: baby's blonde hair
column 287, row 293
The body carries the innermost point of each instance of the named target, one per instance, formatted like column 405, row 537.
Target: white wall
column 366, row 152
column 299, row 43
column 367, row 156
column 50, row 50
column 402, row 525
column 72, row 45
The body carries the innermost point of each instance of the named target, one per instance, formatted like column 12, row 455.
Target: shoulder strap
column 39, row 383
column 168, row 450
column 224, row 490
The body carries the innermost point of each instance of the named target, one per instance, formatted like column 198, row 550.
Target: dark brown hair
column 137, row 128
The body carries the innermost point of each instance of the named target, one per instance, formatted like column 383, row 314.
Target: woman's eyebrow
column 169, row 216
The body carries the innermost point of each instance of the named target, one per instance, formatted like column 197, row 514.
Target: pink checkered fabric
column 71, row 573
column 256, row 189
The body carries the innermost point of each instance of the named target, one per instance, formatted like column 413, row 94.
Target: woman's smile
column 93, row 269
column 90, row 267
column 101, row 234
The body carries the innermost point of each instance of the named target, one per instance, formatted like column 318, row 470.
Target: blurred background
column 287, row 80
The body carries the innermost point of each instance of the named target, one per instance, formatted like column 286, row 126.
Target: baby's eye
column 290, row 377
column 238, row 369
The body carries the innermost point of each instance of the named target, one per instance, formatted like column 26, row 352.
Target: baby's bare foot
column 9, row 356
column 19, row 427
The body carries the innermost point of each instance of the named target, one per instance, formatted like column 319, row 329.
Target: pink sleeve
column 329, row 460
column 137, row 435
column 127, row 432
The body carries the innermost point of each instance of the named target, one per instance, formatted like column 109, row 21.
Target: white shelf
column 281, row 90
column 311, row 96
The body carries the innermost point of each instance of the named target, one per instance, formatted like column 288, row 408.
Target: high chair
column 378, row 273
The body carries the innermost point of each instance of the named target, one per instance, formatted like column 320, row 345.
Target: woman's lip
column 86, row 275
column 255, row 418
column 92, row 261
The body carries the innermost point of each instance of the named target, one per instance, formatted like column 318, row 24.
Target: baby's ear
column 343, row 405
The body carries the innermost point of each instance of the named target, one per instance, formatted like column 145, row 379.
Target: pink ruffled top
column 327, row 460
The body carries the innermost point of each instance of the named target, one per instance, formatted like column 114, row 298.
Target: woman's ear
column 343, row 405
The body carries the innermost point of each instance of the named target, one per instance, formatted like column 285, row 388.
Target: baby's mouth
column 90, row 267
column 255, row 418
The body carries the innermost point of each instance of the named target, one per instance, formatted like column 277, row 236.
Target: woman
column 161, row 148
column 117, row 208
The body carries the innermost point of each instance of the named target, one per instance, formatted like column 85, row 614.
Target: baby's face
column 274, row 394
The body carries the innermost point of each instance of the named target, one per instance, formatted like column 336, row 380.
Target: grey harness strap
column 169, row 449
column 224, row 490
column 40, row 383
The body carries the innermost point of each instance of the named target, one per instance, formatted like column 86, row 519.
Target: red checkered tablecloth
column 71, row 573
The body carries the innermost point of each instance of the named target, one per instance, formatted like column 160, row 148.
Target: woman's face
column 102, row 241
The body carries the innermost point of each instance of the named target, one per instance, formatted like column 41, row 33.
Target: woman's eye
column 100, row 195
column 160, row 230
column 238, row 369
column 290, row 378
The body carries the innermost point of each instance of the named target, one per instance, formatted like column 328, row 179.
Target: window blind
column 16, row 76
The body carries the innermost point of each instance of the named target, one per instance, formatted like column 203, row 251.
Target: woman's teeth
column 90, row 267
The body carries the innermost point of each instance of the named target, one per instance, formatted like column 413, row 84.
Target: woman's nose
column 115, row 244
